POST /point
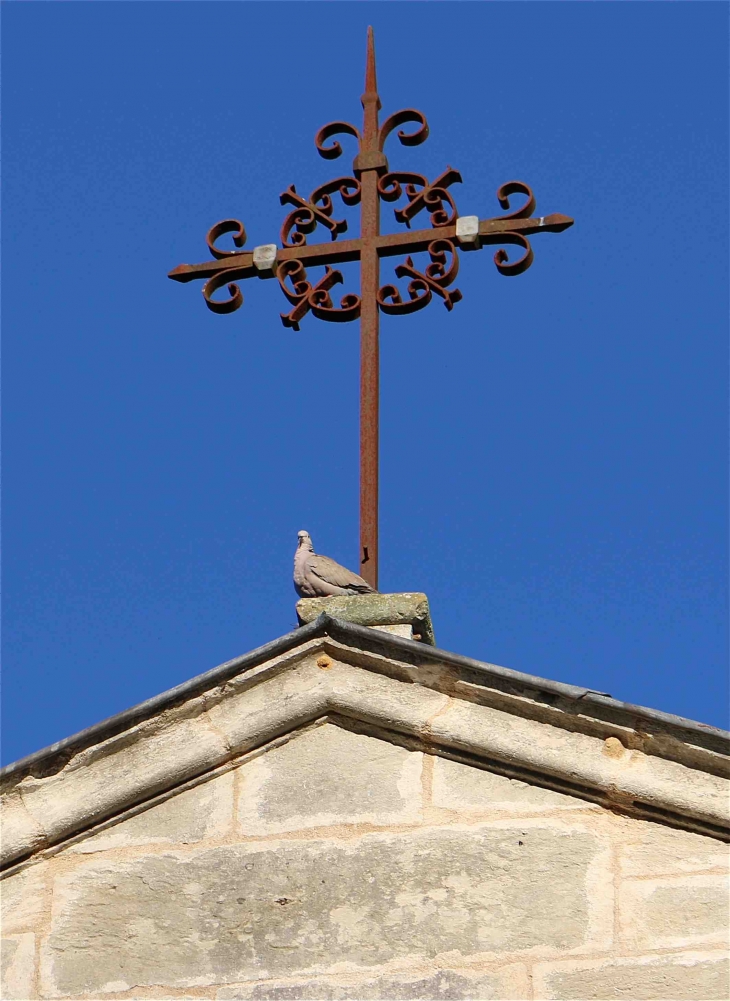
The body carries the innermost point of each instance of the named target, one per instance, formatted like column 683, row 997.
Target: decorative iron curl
column 316, row 210
column 305, row 297
column 516, row 188
column 334, row 150
column 431, row 196
column 406, row 138
column 348, row 188
column 501, row 258
column 424, row 283
column 218, row 281
column 226, row 226
column 322, row 308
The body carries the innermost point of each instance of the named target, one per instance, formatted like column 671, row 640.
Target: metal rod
column 369, row 383
column 369, row 330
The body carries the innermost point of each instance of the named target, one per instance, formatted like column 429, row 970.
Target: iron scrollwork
column 421, row 195
column 401, row 118
column 334, row 150
column 424, row 284
column 226, row 277
column 303, row 220
column 437, row 200
column 316, row 210
column 501, row 258
column 305, row 297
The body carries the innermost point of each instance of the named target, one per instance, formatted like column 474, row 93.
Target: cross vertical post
column 371, row 182
column 369, row 327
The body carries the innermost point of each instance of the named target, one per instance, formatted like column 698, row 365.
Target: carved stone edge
column 192, row 740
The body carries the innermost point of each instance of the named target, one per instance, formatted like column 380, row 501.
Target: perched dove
column 319, row 576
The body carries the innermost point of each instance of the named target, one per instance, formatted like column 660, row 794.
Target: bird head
column 304, row 539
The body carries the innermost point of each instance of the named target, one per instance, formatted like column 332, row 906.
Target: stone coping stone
column 408, row 608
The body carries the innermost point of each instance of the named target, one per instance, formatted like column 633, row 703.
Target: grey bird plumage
column 320, row 577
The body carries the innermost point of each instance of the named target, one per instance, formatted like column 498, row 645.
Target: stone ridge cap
column 364, row 636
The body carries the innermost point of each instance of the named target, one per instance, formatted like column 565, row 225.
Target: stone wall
column 339, row 865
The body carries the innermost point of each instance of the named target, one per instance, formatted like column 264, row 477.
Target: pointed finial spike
column 371, row 85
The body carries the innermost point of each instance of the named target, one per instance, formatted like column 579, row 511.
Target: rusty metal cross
column 372, row 183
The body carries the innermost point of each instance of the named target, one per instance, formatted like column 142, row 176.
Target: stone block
column 472, row 790
column 467, row 230
column 252, row 715
column 649, row 849
column 681, row 977
column 675, row 913
column 20, row 833
column 508, row 984
column 284, row 909
column 382, row 700
column 410, row 608
column 328, row 776
column 205, row 811
column 103, row 780
column 634, row 777
column 264, row 257
column 24, row 896
column 17, row 967
column 404, row 631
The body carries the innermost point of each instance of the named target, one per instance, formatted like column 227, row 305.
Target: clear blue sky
column 553, row 451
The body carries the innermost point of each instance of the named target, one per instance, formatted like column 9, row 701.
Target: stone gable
column 358, row 820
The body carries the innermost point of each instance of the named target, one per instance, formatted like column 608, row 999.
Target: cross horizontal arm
column 388, row 245
column 391, row 244
column 554, row 223
column 339, row 252
column 189, row 272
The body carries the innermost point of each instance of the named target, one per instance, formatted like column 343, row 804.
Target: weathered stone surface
column 465, row 788
column 450, row 985
column 648, row 849
column 23, row 898
column 404, row 631
column 17, row 967
column 20, row 833
column 674, row 913
column 204, row 811
column 156, row 755
column 682, row 977
column 248, row 912
column 580, row 759
column 373, row 610
column 99, row 781
column 275, row 698
column 251, row 715
column 272, row 909
column 385, row 701
column 328, row 776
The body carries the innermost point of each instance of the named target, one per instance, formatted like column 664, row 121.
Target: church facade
column 350, row 812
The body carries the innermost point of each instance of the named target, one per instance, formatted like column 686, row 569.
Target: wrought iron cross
column 371, row 183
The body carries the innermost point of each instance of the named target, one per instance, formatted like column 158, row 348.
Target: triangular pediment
column 506, row 731
column 326, row 776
